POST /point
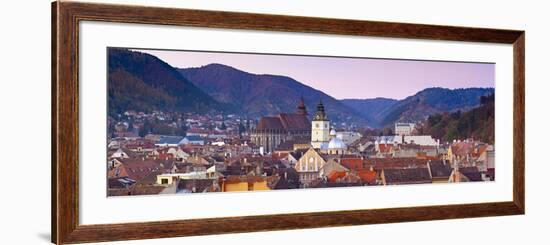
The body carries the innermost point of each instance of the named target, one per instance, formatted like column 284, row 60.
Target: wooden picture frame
column 65, row 121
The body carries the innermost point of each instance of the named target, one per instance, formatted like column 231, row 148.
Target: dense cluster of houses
column 221, row 161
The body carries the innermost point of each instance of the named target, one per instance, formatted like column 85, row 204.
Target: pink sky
column 346, row 78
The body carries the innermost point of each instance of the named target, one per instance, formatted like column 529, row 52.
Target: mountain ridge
column 419, row 106
column 432, row 100
column 231, row 85
column 141, row 81
column 373, row 105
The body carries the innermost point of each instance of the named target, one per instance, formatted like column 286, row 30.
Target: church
column 274, row 130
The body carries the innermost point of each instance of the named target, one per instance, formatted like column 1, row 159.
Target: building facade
column 320, row 128
column 308, row 166
column 272, row 131
column 404, row 128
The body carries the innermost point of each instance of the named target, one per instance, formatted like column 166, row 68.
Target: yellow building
column 245, row 183
column 308, row 166
column 166, row 179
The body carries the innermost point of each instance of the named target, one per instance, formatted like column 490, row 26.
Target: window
column 164, row 181
column 317, row 125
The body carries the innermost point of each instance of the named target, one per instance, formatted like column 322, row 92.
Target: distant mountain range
column 381, row 112
column 369, row 108
column 139, row 81
column 261, row 95
column 142, row 82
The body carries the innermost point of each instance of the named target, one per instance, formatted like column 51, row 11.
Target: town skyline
column 220, row 129
column 405, row 77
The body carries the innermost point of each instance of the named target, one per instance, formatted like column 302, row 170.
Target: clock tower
column 320, row 128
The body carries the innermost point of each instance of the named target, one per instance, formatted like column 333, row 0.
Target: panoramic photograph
column 186, row 121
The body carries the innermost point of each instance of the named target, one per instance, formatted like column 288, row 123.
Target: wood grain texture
column 234, row 20
column 149, row 230
column 519, row 123
column 54, row 123
column 65, row 109
column 65, row 122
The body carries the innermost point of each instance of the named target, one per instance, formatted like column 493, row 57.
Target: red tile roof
column 335, row 175
column 462, row 148
column 421, row 155
column 352, row 163
column 402, row 162
column 367, row 176
column 385, row 148
column 165, row 155
column 351, row 178
column 135, row 168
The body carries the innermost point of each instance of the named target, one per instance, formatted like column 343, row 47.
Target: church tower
column 302, row 107
column 320, row 128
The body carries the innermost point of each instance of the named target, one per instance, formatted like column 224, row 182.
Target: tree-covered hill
column 478, row 123
column 142, row 82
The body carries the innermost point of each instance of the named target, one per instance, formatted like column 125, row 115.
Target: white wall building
column 320, row 127
column 348, row 136
column 424, row 140
column 404, row 128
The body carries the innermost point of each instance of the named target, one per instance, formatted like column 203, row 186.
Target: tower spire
column 320, row 113
column 320, row 128
column 302, row 107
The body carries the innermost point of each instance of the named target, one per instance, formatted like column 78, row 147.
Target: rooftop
column 172, row 140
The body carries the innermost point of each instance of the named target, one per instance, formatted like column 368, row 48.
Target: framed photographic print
column 175, row 122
